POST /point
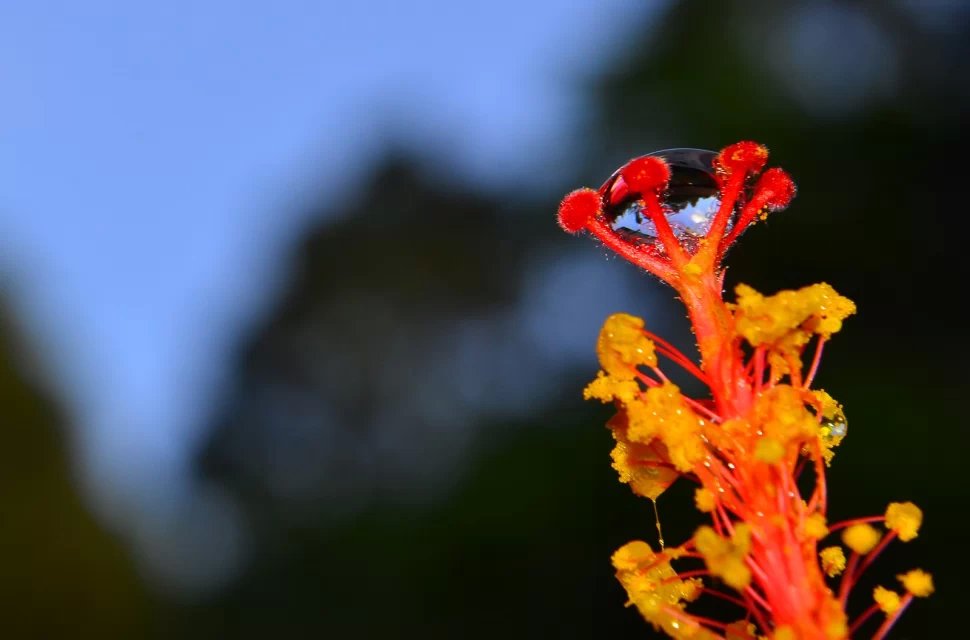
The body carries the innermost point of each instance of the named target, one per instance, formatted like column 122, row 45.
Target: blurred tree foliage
column 61, row 575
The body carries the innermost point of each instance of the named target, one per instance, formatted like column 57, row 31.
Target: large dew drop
column 690, row 202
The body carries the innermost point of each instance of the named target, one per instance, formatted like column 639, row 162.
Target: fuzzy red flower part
column 578, row 208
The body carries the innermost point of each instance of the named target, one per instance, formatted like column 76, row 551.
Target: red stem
column 861, row 620
column 713, row 251
column 815, row 362
column 872, row 555
column 848, row 523
column 670, row 351
column 845, row 585
column 690, row 618
column 794, row 371
column 760, row 601
column 747, row 216
column 891, row 620
column 653, row 263
column 726, row 597
column 759, row 369
column 664, row 233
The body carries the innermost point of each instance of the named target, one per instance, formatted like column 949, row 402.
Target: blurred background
column 291, row 346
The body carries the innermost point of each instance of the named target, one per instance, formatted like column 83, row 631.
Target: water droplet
column 836, row 426
column 690, row 202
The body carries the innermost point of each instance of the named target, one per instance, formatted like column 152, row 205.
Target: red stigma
column 778, row 188
column 646, row 175
column 637, row 213
column 744, row 157
column 578, row 208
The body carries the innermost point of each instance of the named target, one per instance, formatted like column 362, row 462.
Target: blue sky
column 153, row 158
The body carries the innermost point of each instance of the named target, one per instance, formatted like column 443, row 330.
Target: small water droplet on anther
column 835, row 427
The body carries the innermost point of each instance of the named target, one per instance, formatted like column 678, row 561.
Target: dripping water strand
column 656, row 515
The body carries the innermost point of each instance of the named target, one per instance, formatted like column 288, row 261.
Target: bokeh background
column 291, row 345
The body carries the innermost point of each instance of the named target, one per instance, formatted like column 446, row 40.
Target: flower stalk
column 755, row 430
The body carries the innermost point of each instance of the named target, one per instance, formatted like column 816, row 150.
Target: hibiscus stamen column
column 675, row 214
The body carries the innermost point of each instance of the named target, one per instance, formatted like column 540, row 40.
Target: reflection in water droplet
column 691, row 201
column 836, row 426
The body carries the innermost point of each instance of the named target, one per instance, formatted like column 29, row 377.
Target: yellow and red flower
column 757, row 428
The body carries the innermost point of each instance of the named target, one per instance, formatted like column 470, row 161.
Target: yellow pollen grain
column 905, row 519
column 692, row 269
column 630, row 555
column 833, row 561
column 630, row 461
column 725, row 558
column 861, row 538
column 917, row 582
column 769, row 450
column 887, row 600
column 622, row 346
column 815, row 526
column 780, row 414
column 740, row 630
column 664, row 414
column 784, row 633
column 607, row 388
column 837, row 630
column 653, row 586
column 704, row 500
column 790, row 316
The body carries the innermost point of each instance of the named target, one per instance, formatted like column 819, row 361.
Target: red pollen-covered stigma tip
column 578, row 208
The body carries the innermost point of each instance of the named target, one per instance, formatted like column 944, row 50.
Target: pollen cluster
column 654, row 588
